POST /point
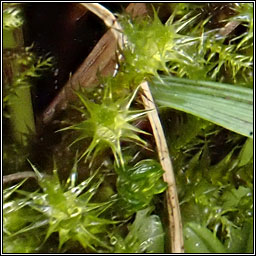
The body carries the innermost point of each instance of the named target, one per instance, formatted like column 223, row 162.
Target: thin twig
column 229, row 27
column 18, row 176
column 108, row 18
column 175, row 224
column 101, row 59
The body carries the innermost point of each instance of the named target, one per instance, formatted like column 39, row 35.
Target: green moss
column 108, row 125
column 214, row 169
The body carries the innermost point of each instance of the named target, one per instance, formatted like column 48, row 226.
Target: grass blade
column 229, row 106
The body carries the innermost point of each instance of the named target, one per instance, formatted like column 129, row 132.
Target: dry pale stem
column 175, row 224
column 18, row 176
column 101, row 59
column 108, row 18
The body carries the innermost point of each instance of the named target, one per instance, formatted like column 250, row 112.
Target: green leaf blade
column 226, row 105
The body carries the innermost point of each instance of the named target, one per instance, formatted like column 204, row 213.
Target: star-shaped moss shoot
column 66, row 208
column 108, row 125
column 150, row 44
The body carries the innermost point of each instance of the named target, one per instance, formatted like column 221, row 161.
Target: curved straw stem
column 108, row 18
column 175, row 224
column 18, row 176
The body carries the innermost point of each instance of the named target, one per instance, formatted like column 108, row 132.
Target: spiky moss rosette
column 65, row 209
column 108, row 125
